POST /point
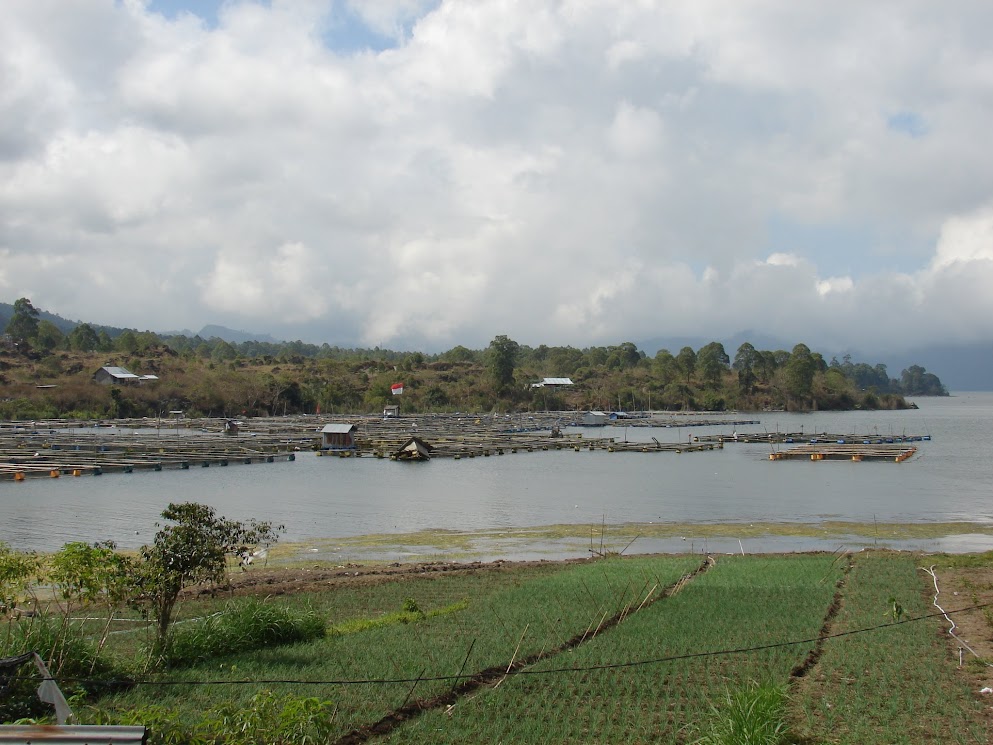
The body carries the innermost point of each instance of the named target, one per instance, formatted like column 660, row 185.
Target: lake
column 325, row 501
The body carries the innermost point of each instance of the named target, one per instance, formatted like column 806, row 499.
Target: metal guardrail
column 76, row 734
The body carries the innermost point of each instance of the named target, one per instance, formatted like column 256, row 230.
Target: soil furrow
column 802, row 668
column 493, row 675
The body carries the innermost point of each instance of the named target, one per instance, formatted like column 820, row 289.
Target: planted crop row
column 894, row 684
column 742, row 602
column 499, row 624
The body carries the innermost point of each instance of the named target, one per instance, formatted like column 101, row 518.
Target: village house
column 552, row 383
column 115, row 376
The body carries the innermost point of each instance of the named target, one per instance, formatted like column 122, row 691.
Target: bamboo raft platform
column 788, row 438
column 848, row 451
column 54, row 448
column 668, row 421
column 471, row 437
column 70, row 452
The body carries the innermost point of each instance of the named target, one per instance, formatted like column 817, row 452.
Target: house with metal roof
column 115, row 375
column 553, row 382
column 594, row 419
column 338, row 436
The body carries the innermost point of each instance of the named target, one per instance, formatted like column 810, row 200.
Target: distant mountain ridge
column 62, row 324
column 210, row 331
column 232, row 336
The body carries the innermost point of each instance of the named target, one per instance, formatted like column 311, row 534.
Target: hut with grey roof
column 338, row 436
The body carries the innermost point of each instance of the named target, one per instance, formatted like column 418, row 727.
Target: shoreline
column 574, row 541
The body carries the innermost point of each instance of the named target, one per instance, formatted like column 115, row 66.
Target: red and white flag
column 397, row 388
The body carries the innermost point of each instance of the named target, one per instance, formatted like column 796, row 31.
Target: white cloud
column 282, row 285
column 578, row 172
column 636, row 132
column 835, row 284
column 781, row 259
column 965, row 239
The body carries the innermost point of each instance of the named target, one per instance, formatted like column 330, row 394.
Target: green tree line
column 213, row 377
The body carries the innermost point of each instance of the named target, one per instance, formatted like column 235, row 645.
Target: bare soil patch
column 964, row 587
column 321, row 577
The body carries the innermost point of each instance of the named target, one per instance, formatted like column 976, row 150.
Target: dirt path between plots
column 967, row 587
column 288, row 581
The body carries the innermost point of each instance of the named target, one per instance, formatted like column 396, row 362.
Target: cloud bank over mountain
column 427, row 174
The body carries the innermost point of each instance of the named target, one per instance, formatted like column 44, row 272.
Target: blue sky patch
column 835, row 249
column 344, row 32
column 205, row 9
column 908, row 122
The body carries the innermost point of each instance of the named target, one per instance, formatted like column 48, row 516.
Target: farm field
column 837, row 648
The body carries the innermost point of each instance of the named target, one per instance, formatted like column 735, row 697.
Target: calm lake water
column 949, row 479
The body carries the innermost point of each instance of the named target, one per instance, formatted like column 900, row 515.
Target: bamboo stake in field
column 650, row 593
column 514, row 657
column 411, row 691
column 464, row 663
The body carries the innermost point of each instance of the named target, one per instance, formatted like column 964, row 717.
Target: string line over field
column 522, row 671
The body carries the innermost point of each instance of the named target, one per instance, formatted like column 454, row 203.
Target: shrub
column 269, row 719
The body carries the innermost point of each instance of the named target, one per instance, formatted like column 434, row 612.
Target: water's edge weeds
column 580, row 540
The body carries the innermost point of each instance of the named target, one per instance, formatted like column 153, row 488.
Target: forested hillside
column 45, row 372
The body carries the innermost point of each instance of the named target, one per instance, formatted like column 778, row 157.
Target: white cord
column 951, row 631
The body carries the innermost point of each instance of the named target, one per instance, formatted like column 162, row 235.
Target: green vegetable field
column 676, row 649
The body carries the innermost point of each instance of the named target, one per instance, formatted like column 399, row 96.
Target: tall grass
column 266, row 719
column 242, row 626
column 67, row 654
column 754, row 715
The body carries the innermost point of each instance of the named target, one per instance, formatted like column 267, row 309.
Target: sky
column 418, row 174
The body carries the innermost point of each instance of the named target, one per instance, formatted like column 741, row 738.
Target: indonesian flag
column 397, row 388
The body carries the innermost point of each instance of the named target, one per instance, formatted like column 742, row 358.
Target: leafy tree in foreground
column 193, row 550
column 17, row 569
column 84, row 574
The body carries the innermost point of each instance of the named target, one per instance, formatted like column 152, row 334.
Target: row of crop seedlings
column 891, row 685
column 742, row 602
column 490, row 631
column 538, row 618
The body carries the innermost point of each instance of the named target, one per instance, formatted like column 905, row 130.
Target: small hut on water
column 414, row 449
column 338, row 436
